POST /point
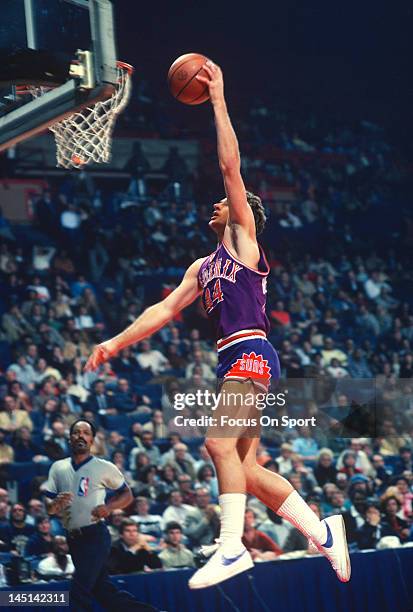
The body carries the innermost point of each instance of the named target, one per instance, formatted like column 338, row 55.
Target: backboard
column 59, row 29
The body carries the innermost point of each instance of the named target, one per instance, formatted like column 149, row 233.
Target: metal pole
column 30, row 24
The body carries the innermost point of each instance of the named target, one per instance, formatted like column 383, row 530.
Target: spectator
column 36, row 509
column 175, row 555
column 59, row 564
column 260, row 546
column 124, row 400
column 168, row 480
column 6, row 451
column 151, row 359
column 12, row 418
column 177, row 511
column 116, row 518
column 57, row 446
column 349, row 464
column 16, row 534
column 394, row 525
column 41, row 543
column 148, row 523
column 285, row 465
column 325, row 471
column 181, row 462
column 354, row 516
column 25, row 450
column 202, row 522
column 131, row 552
column 305, row 445
column 406, row 496
column 4, row 514
column 207, row 479
column 99, row 401
column 381, row 475
column 145, row 443
column 277, row 528
column 369, row 534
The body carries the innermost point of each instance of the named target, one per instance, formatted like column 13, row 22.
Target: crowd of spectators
column 340, row 310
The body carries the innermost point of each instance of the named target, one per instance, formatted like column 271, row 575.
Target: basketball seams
column 200, row 95
column 188, row 83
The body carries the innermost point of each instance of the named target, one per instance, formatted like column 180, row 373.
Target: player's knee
column 220, row 447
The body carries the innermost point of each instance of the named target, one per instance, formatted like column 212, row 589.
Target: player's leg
column 278, row 494
column 231, row 557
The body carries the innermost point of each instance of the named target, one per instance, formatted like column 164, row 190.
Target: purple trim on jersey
column 233, row 294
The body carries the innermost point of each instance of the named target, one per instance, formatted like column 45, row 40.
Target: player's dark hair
column 258, row 210
column 92, row 426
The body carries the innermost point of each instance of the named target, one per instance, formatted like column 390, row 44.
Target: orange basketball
column 182, row 82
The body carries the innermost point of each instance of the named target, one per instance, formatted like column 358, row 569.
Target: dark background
column 349, row 59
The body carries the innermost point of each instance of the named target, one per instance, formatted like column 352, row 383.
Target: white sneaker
column 219, row 568
column 337, row 553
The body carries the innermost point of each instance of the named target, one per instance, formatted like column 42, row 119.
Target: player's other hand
column 99, row 512
column 214, row 81
column 101, row 353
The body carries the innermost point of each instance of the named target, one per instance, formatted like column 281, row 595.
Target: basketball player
column 76, row 487
column 232, row 281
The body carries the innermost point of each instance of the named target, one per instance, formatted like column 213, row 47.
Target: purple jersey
column 233, row 294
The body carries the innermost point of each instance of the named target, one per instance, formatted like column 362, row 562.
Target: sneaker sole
column 237, row 568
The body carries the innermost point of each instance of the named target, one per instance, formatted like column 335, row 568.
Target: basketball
column 182, row 82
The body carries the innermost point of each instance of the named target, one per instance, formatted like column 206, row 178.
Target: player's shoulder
column 192, row 271
column 103, row 464
column 61, row 464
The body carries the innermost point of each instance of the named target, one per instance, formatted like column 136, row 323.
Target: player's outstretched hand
column 101, row 353
column 214, row 81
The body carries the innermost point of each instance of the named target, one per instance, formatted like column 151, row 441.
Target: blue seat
column 5, row 354
column 193, row 444
column 157, row 508
column 37, row 420
column 154, row 392
column 116, row 422
column 26, row 470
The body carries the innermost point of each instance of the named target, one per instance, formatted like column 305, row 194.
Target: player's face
column 81, row 438
column 219, row 216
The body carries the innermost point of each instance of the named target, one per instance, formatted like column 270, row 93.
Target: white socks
column 232, row 521
column 295, row 510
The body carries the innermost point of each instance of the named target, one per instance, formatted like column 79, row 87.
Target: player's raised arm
column 153, row 318
column 240, row 212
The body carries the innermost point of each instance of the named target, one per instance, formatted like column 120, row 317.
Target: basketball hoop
column 86, row 135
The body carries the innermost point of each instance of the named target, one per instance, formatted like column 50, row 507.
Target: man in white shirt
column 77, row 488
column 177, row 511
column 59, row 563
column 151, row 359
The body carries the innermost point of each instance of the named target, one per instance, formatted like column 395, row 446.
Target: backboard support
column 38, row 114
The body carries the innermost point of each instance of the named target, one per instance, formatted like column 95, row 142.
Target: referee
column 76, row 487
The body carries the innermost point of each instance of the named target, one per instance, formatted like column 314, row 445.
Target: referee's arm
column 121, row 498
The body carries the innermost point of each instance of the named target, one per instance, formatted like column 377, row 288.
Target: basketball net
column 86, row 136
